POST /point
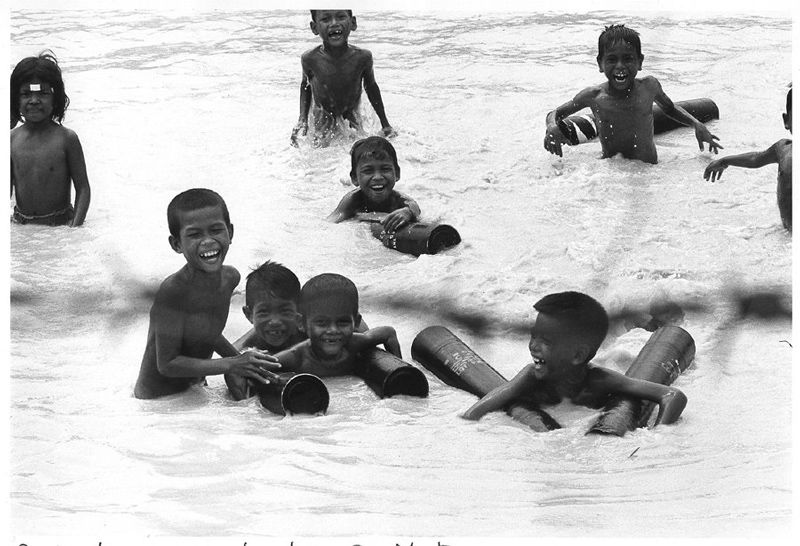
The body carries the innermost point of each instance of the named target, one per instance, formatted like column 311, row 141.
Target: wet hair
column 194, row 199
column 43, row 67
column 314, row 13
column 582, row 314
column 618, row 33
column 274, row 279
column 374, row 147
column 326, row 285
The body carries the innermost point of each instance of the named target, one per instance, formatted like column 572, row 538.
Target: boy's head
column 619, row 55
column 272, row 299
column 200, row 228
column 569, row 329
column 374, row 168
column 333, row 26
column 38, row 78
column 329, row 304
column 787, row 117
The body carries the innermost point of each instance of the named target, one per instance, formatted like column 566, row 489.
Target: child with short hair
column 45, row 156
column 623, row 105
column 566, row 334
column 329, row 305
column 332, row 77
column 780, row 153
column 375, row 171
column 191, row 306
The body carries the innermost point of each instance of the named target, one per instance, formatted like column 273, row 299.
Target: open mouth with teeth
column 539, row 365
column 337, row 33
column 620, row 77
column 210, row 255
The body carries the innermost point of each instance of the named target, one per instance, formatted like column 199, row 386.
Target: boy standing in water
column 329, row 304
column 46, row 157
column 191, row 306
column 780, row 153
column 568, row 330
column 623, row 105
column 332, row 77
column 374, row 171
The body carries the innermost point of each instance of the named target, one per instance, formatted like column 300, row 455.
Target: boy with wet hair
column 374, row 170
column 46, row 157
column 332, row 78
column 780, row 153
column 623, row 105
column 566, row 334
column 191, row 306
column 329, row 305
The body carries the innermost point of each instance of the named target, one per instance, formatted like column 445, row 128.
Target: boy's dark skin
column 190, row 311
column 561, row 370
column 333, row 74
column 780, row 153
column 623, row 109
column 46, row 158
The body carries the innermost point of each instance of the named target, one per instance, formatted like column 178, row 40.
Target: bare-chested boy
column 46, row 157
column 623, row 106
column 332, row 77
column 329, row 305
column 780, row 153
column 191, row 306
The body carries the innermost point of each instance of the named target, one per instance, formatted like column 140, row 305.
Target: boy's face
column 620, row 64
column 203, row 239
column 36, row 101
column 275, row 319
column 554, row 349
column 333, row 26
column 330, row 325
column 376, row 178
column 787, row 120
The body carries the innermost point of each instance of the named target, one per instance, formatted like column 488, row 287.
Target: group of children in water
column 317, row 328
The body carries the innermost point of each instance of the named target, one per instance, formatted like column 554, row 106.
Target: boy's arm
column 402, row 216
column 77, row 170
column 503, row 395
column 374, row 96
column 677, row 113
column 305, row 105
column 750, row 160
column 346, row 208
column 168, row 321
column 373, row 337
column 554, row 138
column 670, row 400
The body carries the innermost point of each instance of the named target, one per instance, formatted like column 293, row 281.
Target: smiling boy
column 568, row 330
column 623, row 105
column 375, row 171
column 329, row 304
column 46, row 157
column 191, row 305
column 332, row 77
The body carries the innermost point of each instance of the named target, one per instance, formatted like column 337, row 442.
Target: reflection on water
column 163, row 102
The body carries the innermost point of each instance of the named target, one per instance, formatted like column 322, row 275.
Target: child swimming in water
column 374, row 170
column 332, row 77
column 568, row 330
column 623, row 105
column 191, row 306
column 46, row 157
column 780, row 153
column 329, row 304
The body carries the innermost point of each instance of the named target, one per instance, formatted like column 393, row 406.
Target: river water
column 168, row 100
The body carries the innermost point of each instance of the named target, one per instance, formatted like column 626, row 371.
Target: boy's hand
column 704, row 135
column 714, row 169
column 388, row 132
column 301, row 129
column 397, row 219
column 393, row 345
column 553, row 140
column 254, row 364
